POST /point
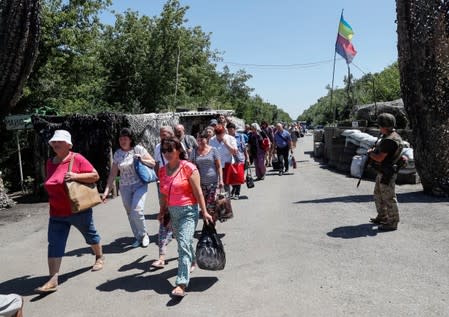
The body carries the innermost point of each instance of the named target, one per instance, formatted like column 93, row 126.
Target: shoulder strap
column 186, row 143
column 280, row 135
column 72, row 159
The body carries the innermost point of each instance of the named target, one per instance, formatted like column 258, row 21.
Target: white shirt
column 125, row 163
column 225, row 154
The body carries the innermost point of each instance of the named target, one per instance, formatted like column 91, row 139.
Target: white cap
column 62, row 135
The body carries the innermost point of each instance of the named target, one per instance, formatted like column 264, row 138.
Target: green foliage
column 386, row 88
column 139, row 64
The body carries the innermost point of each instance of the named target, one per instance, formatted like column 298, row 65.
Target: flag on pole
column 343, row 46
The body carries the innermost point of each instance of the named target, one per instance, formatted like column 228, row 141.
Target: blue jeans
column 59, row 228
column 133, row 198
column 184, row 220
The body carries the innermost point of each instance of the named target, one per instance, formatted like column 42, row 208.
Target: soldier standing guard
column 385, row 157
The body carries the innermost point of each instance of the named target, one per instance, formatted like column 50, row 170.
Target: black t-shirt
column 390, row 147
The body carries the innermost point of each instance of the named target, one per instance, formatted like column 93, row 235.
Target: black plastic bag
column 249, row 179
column 210, row 254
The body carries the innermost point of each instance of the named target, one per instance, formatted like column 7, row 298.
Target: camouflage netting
column 146, row 127
column 19, row 38
column 423, row 51
column 369, row 112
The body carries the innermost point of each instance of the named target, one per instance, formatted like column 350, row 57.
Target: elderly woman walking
column 257, row 153
column 207, row 159
column 180, row 195
column 133, row 190
column 61, row 216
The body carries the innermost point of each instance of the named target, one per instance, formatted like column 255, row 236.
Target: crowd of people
column 191, row 175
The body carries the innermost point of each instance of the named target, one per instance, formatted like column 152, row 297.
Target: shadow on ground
column 26, row 284
column 412, row 197
column 351, row 232
column 120, row 245
column 156, row 282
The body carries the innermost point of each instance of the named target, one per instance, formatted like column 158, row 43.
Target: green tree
column 67, row 76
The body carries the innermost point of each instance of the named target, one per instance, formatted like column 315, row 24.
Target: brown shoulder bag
column 82, row 196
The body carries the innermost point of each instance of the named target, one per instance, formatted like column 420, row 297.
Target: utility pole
column 177, row 77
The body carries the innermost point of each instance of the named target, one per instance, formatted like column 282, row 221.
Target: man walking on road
column 386, row 155
column 283, row 144
column 188, row 142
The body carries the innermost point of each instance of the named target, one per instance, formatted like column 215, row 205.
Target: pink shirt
column 57, row 195
column 181, row 193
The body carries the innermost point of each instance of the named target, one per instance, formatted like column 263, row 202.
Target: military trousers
column 386, row 201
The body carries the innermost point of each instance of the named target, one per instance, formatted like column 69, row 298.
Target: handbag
column 234, row 174
column 82, row 196
column 210, row 253
column 146, row 174
column 293, row 161
column 249, row 179
column 223, row 207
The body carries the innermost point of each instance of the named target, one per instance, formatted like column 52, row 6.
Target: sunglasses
column 167, row 149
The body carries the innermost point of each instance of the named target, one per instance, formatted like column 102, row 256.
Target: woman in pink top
column 61, row 216
column 180, row 195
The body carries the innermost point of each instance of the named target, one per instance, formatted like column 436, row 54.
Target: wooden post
column 114, row 185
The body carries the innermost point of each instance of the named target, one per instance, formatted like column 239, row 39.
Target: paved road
column 299, row 245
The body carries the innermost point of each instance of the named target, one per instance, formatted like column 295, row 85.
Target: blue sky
column 254, row 33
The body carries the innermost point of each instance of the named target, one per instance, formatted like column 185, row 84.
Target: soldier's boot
column 378, row 220
column 388, row 227
column 389, row 224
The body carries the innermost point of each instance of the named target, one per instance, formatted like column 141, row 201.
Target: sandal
column 99, row 263
column 178, row 292
column 159, row 264
column 46, row 289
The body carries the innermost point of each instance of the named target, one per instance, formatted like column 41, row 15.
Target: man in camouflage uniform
column 385, row 157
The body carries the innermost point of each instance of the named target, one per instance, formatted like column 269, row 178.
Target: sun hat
column 61, row 135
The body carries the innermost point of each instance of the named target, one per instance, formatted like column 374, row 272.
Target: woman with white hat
column 61, row 216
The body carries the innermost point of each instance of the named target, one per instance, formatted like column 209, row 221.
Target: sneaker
column 135, row 244
column 236, row 197
column 145, row 241
column 280, row 173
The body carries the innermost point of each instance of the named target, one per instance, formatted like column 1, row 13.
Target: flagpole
column 332, row 87
column 348, row 90
column 334, row 109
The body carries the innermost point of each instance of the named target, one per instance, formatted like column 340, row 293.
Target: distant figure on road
column 385, row 155
column 270, row 134
column 256, row 151
column 240, row 157
column 61, row 216
column 133, row 191
column 283, row 144
column 11, row 305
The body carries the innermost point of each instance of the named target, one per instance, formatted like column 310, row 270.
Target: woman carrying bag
column 207, row 160
column 133, row 191
column 180, row 195
column 61, row 216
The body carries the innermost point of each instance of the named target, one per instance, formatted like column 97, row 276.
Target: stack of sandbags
column 318, row 143
column 408, row 174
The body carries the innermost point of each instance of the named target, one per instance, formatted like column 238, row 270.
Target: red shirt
column 54, row 184
column 181, row 193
